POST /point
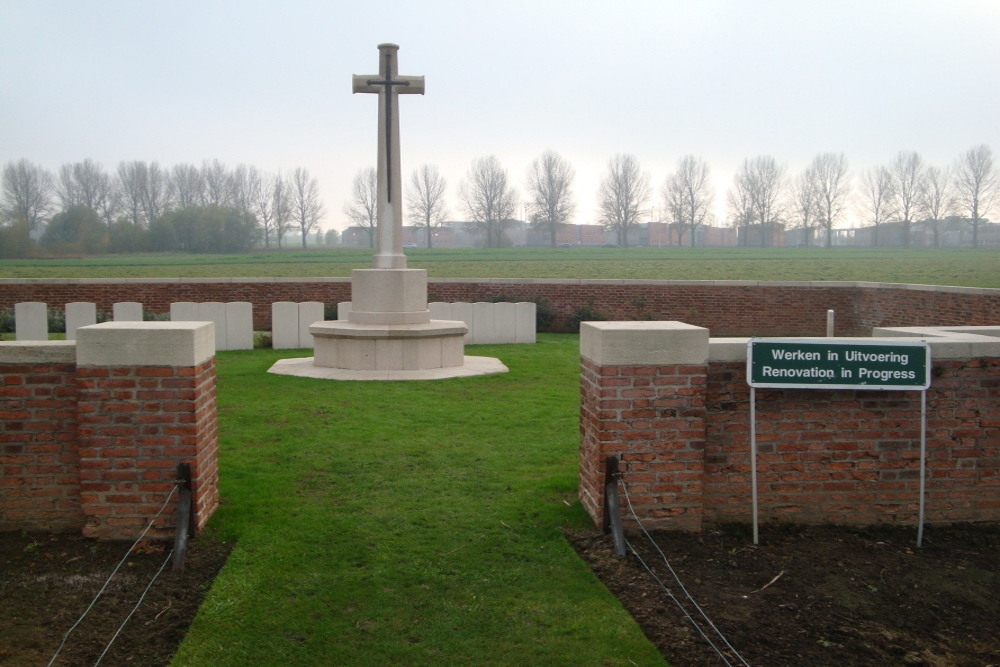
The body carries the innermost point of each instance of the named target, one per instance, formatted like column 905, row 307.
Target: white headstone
column 215, row 311
column 525, row 312
column 504, row 322
column 284, row 325
column 127, row 311
column 239, row 325
column 79, row 314
column 31, row 321
column 310, row 312
column 184, row 311
column 466, row 313
column 439, row 310
column 483, row 311
column 343, row 310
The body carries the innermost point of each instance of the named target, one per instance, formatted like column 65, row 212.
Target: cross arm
column 362, row 83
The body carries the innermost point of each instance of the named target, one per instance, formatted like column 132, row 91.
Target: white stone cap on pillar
column 643, row 343
column 179, row 344
column 38, row 352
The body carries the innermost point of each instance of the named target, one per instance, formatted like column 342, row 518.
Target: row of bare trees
column 762, row 195
column 906, row 190
column 140, row 193
column 487, row 194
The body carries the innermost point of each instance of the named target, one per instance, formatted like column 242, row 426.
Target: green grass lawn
column 974, row 268
column 405, row 523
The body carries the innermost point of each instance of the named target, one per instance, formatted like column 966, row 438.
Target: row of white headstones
column 290, row 321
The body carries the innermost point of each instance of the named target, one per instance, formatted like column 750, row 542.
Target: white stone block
column 344, row 310
column 643, row 343
column 31, row 321
column 525, row 317
column 79, row 314
column 389, row 290
column 504, row 323
column 37, row 352
column 465, row 312
column 127, row 311
column 239, row 325
column 183, row 344
column 284, row 325
column 215, row 311
column 388, row 354
column 440, row 310
column 184, row 311
column 484, row 315
column 309, row 313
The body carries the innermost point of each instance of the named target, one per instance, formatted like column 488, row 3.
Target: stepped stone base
column 304, row 367
column 383, row 347
column 388, row 335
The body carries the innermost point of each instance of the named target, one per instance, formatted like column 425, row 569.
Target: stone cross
column 388, row 84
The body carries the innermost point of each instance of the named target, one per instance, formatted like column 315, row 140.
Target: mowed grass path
column 405, row 523
column 973, row 268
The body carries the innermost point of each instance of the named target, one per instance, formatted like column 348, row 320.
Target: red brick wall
column 823, row 456
column 136, row 424
column 727, row 310
column 653, row 419
column 942, row 307
column 39, row 457
column 854, row 456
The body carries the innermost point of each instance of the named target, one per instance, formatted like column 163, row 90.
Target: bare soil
column 823, row 595
column 47, row 582
column 845, row 596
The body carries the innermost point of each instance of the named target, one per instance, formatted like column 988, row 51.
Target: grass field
column 973, row 268
column 405, row 523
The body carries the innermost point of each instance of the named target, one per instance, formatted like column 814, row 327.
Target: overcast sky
column 269, row 84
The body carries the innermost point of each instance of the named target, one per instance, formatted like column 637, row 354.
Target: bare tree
column 977, row 184
column 802, row 203
column 307, row 210
column 878, row 198
column 832, row 187
column 756, row 194
column 489, row 198
column 245, row 185
column 143, row 190
column 739, row 198
column 215, row 176
column 67, row 190
column 907, row 170
column 263, row 207
column 187, row 187
column 130, row 182
column 85, row 184
column 156, row 194
column 688, row 194
column 27, row 193
column 281, row 206
column 550, row 182
column 425, row 203
column 936, row 199
column 623, row 193
column 363, row 207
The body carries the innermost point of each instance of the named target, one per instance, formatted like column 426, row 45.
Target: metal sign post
column 825, row 363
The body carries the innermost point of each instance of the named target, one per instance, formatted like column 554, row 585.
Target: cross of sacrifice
column 389, row 210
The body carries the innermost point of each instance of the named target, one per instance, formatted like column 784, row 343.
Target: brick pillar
column 642, row 399
column 39, row 458
column 146, row 404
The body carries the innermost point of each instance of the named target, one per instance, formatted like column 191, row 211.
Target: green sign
column 831, row 363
